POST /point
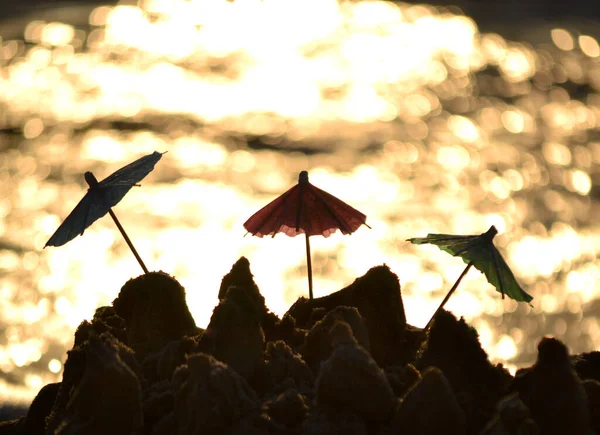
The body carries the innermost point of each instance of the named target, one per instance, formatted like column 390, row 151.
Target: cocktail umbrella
column 99, row 199
column 478, row 251
column 305, row 209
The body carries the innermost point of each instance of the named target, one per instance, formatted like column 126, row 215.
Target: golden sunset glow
column 406, row 112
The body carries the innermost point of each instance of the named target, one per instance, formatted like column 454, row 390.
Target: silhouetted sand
column 347, row 363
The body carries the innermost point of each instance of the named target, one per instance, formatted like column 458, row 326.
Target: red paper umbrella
column 305, row 209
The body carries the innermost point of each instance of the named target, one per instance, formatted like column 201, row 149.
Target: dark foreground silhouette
column 347, row 363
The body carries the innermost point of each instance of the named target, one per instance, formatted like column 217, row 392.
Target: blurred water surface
column 406, row 112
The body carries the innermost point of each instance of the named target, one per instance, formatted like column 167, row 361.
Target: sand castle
column 346, row 363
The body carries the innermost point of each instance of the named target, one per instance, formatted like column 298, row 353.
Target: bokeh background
column 427, row 118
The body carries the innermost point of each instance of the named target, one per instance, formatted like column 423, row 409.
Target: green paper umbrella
column 478, row 251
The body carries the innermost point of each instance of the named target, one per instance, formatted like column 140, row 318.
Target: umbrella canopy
column 479, row 250
column 101, row 196
column 99, row 199
column 305, row 209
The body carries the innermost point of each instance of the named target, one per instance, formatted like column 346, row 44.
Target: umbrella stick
column 139, row 259
column 309, row 265
column 454, row 287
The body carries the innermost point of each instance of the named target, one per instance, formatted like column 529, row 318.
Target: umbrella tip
column 90, row 179
column 491, row 233
column 303, row 177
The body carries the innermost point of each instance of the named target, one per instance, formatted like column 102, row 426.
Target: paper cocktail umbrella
column 478, row 251
column 305, row 209
column 99, row 199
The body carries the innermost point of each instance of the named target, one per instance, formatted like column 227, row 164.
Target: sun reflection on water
column 406, row 112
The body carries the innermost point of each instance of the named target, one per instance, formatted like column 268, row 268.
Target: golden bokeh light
column 406, row 112
column 55, row 366
column 562, row 39
column 589, row 45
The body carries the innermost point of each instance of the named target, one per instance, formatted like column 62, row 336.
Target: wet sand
column 344, row 363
